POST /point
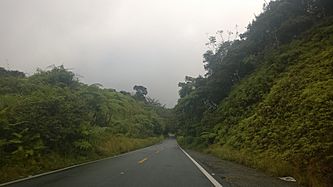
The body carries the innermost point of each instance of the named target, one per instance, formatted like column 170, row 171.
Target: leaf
column 17, row 135
column 15, row 141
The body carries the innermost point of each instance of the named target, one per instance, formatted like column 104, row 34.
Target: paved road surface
column 159, row 165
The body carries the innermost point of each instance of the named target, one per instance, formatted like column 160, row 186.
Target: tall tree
column 141, row 92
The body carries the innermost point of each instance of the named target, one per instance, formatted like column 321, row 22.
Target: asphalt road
column 163, row 164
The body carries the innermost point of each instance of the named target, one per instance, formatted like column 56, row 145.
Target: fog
column 118, row 43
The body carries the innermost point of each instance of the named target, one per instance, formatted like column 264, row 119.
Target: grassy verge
column 264, row 161
column 271, row 163
column 106, row 146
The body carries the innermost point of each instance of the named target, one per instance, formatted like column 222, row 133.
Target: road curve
column 163, row 164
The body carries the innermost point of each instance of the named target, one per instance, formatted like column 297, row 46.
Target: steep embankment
column 267, row 98
column 279, row 118
column 51, row 120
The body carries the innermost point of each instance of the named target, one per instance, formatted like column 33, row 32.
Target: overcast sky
column 118, row 43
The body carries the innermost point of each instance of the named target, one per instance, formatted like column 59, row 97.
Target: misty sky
column 118, row 43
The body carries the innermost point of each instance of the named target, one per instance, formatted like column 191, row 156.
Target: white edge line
column 70, row 167
column 210, row 178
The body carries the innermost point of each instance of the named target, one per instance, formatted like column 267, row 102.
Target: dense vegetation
column 50, row 120
column 267, row 98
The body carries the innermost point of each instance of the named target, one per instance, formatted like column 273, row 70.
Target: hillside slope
column 290, row 119
column 269, row 105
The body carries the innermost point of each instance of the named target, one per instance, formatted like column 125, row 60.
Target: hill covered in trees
column 50, row 120
column 267, row 98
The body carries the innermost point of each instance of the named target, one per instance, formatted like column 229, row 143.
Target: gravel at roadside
column 231, row 174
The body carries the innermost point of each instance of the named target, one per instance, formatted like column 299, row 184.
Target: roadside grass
column 270, row 163
column 267, row 161
column 107, row 145
column 263, row 161
column 113, row 145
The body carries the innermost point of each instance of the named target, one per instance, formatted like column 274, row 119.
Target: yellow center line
column 143, row 160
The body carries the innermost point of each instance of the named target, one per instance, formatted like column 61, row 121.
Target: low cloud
column 118, row 43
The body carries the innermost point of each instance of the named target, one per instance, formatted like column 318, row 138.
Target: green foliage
column 140, row 93
column 7, row 73
column 52, row 112
column 104, row 145
column 268, row 95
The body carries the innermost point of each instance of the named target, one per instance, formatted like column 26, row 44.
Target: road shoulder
column 232, row 174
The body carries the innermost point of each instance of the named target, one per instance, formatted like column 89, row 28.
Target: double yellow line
column 146, row 158
column 143, row 160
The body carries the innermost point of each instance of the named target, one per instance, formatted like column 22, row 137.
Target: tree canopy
column 53, row 112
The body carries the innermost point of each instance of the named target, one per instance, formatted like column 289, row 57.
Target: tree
column 7, row 73
column 186, row 87
column 141, row 92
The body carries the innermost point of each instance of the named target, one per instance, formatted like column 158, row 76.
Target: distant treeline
column 53, row 113
column 267, row 98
